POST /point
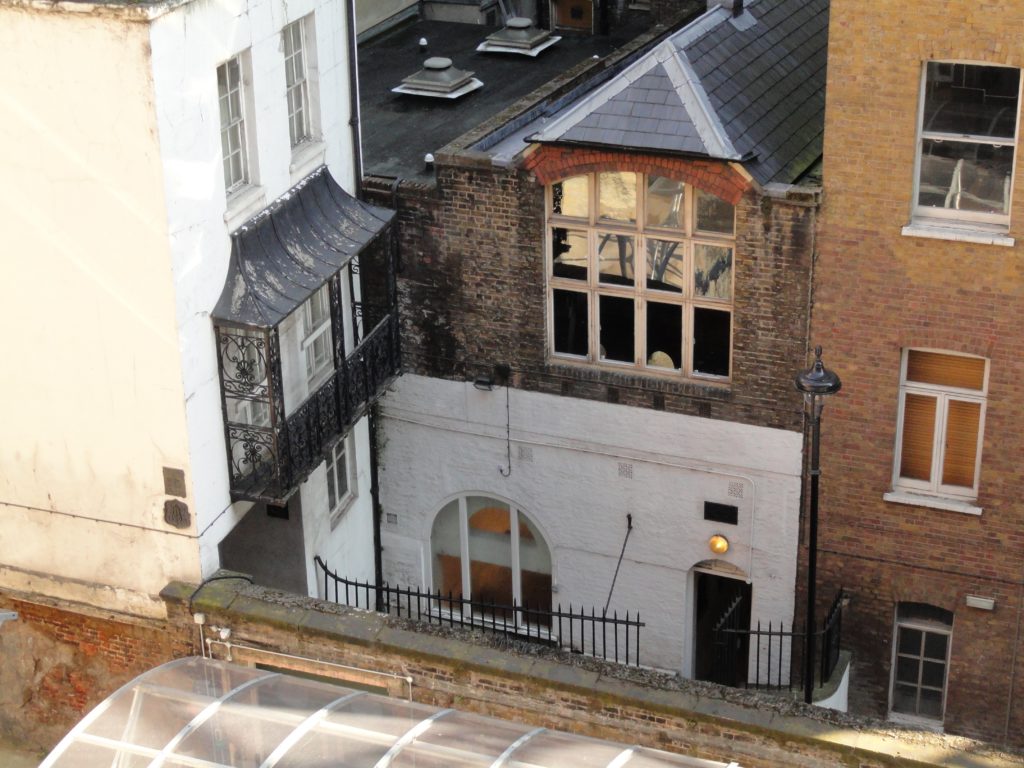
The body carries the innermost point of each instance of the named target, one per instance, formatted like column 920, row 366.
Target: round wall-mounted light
column 718, row 544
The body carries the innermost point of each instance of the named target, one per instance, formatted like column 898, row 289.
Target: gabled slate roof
column 749, row 88
column 280, row 258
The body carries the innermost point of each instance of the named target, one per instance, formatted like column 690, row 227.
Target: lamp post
column 817, row 383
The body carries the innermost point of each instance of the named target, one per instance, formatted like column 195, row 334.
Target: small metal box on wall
column 573, row 14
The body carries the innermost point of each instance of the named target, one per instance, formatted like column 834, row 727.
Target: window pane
column 711, row 341
column 933, row 674
column 918, row 437
column 971, row 99
column 965, row 176
column 931, row 703
column 535, row 570
column 714, row 214
column 332, row 493
column 490, row 550
column 617, row 196
column 712, row 271
column 909, row 641
column 341, row 469
column 665, row 200
column 617, row 325
column 935, row 645
column 444, row 540
column 665, row 265
column 569, row 197
column 615, row 255
column 946, row 370
column 962, row 423
column 664, row 336
column 904, row 699
column 570, row 310
column 569, row 249
column 907, row 669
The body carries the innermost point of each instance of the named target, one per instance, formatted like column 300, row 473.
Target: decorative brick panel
column 552, row 163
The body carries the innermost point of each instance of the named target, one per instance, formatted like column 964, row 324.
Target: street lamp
column 817, row 383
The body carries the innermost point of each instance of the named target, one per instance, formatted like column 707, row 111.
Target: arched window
column 490, row 552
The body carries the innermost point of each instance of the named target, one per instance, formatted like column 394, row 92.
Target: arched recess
column 489, row 551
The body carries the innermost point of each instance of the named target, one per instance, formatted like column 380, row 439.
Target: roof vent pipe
column 737, row 8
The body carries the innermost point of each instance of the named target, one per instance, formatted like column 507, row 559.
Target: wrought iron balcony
column 268, row 461
column 311, row 239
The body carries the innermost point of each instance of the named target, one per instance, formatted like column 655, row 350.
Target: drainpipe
column 353, row 89
column 378, row 560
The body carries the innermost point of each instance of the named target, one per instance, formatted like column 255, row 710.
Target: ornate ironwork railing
column 269, row 455
column 599, row 634
column 772, row 658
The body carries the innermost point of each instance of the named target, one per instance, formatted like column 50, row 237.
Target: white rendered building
column 150, row 153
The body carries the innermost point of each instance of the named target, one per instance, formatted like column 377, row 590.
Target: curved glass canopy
column 201, row 713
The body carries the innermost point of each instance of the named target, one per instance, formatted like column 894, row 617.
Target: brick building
column 571, row 429
column 918, row 303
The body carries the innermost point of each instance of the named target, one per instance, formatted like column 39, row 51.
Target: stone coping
column 230, row 599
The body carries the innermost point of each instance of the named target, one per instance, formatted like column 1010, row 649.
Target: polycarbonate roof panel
column 201, row 713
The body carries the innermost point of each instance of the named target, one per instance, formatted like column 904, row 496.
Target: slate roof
column 283, row 256
column 750, row 88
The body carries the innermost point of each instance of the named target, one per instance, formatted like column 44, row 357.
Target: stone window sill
column 962, row 234
column 306, row 157
column 934, row 502
column 925, row 723
column 243, row 204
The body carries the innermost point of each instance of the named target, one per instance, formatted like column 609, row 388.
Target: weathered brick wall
column 878, row 292
column 751, row 728
column 58, row 664
column 473, row 296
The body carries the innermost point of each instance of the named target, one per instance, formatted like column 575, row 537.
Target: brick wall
column 878, row 292
column 751, row 728
column 58, row 664
column 473, row 294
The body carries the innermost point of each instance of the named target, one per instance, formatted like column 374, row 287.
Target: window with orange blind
column 942, row 407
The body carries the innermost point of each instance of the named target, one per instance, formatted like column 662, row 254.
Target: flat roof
column 398, row 130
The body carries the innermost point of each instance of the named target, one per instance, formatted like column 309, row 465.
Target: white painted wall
column 116, row 231
column 348, row 549
column 188, row 44
column 92, row 403
column 444, row 438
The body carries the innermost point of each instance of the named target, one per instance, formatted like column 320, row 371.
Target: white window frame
column 317, row 372
column 943, row 396
column 341, row 459
column 939, row 217
column 532, row 630
column 931, row 627
column 686, row 236
column 296, row 73
column 237, row 131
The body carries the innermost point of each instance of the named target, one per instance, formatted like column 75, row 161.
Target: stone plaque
column 176, row 513
column 174, row 482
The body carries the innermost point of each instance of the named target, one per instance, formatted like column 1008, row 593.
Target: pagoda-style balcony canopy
column 314, row 236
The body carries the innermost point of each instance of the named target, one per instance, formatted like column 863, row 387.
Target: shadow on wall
column 267, row 545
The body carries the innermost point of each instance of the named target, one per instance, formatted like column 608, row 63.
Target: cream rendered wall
column 578, row 467
column 188, row 44
column 92, row 404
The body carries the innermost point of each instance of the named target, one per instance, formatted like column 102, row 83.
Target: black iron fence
column 772, row 657
column 594, row 633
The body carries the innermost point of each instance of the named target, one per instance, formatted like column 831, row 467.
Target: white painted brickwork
column 442, row 439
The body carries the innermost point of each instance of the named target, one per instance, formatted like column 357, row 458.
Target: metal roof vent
column 439, row 79
column 518, row 36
